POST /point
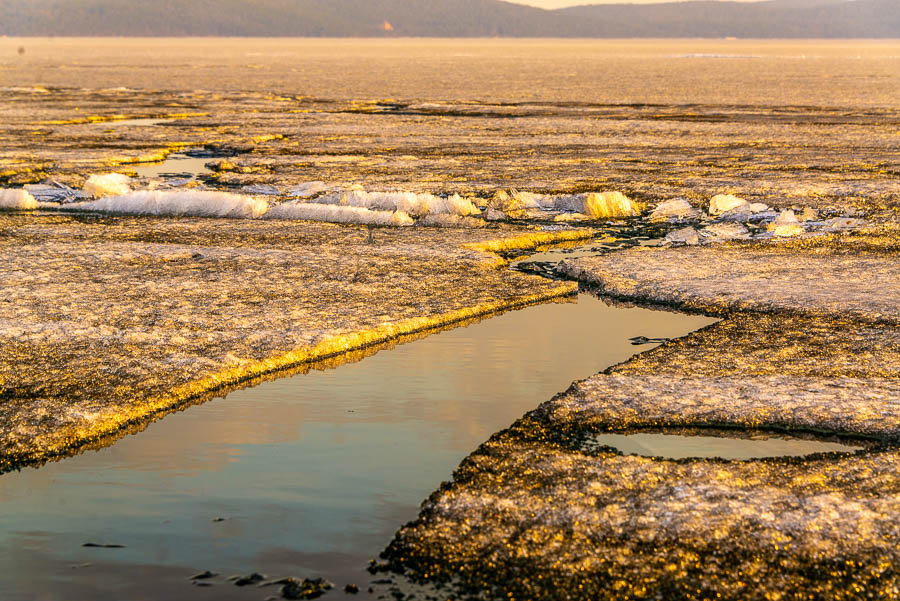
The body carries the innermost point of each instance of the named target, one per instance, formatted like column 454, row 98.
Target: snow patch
column 16, row 199
column 109, row 184
column 178, row 203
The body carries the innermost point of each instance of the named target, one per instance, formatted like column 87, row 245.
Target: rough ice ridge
column 109, row 184
column 599, row 205
column 409, row 202
column 178, row 203
column 338, row 214
column 16, row 199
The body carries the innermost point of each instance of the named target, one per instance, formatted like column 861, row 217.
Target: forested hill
column 449, row 18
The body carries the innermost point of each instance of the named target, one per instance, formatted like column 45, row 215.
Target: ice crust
column 140, row 314
column 180, row 203
column 823, row 280
column 109, row 184
column 16, row 199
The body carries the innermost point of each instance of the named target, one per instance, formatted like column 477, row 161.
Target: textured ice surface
column 120, row 317
column 16, row 199
column 839, row 276
column 181, row 203
column 109, row 184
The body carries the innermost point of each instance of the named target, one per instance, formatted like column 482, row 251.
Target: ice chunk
column 338, row 214
column 786, row 231
column 841, row 223
column 599, row 205
column 307, row 189
column 16, row 198
column 786, row 217
column 178, row 203
column 409, row 202
column 263, row 189
column 758, row 207
column 725, row 231
column 808, row 214
column 109, row 184
column 516, row 202
column 687, row 235
column 721, row 203
column 677, row 208
column 494, row 215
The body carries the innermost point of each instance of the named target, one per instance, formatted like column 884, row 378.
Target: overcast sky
column 562, row 3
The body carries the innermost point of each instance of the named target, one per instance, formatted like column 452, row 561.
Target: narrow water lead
column 681, row 446
column 312, row 474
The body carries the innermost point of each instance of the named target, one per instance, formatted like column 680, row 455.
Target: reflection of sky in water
column 176, row 165
column 315, row 472
column 676, row 446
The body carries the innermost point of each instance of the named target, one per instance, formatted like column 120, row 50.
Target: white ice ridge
column 178, row 203
column 338, row 214
column 109, row 184
column 16, row 198
column 417, row 205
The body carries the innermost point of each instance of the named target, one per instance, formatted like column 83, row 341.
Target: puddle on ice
column 313, row 473
column 135, row 123
column 731, row 445
column 176, row 166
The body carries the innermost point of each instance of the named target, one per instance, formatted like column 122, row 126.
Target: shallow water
column 681, row 446
column 314, row 473
column 175, row 166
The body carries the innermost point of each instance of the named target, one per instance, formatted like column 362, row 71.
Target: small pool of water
column 135, row 122
column 733, row 446
column 176, row 166
column 304, row 476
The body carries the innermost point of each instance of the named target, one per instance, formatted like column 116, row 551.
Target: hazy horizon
column 552, row 4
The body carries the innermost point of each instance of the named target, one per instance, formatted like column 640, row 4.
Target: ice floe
column 178, row 203
column 108, row 184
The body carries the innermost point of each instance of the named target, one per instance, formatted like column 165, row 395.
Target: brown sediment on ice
column 106, row 322
column 536, row 514
column 853, row 276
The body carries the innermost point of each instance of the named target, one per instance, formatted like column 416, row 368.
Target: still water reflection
column 175, row 166
column 729, row 446
column 313, row 474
